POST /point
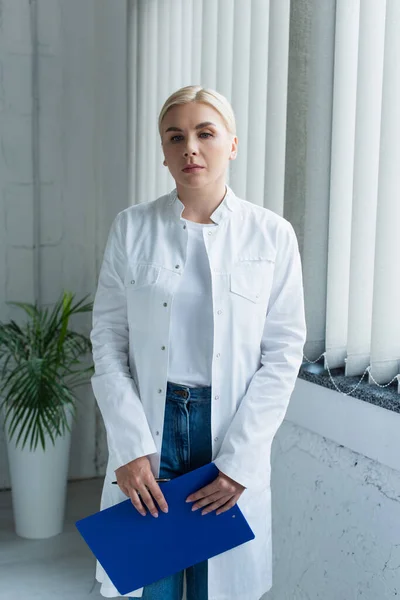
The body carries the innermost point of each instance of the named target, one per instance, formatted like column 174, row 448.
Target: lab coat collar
column 223, row 210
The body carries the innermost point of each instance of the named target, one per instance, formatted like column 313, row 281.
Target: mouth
column 192, row 169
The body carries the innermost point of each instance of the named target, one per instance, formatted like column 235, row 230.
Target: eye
column 203, row 133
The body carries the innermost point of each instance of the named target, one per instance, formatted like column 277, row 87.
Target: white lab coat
column 259, row 334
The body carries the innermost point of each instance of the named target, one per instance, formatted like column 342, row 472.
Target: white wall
column 80, row 150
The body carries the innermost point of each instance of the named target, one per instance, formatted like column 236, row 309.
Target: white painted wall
column 81, row 147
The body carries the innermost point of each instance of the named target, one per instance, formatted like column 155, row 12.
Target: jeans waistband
column 183, row 393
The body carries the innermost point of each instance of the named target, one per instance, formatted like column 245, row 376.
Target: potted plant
column 39, row 370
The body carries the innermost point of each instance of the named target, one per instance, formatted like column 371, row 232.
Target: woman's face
column 211, row 146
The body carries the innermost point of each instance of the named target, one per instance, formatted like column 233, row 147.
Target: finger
column 136, row 502
column 221, row 502
column 209, row 489
column 148, row 500
column 124, row 489
column 217, row 504
column 158, row 495
column 228, row 505
column 207, row 500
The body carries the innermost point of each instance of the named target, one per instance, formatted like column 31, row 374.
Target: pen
column 158, row 479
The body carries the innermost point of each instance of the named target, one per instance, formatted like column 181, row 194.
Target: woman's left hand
column 221, row 494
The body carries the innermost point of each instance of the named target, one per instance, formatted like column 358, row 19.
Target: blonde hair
column 196, row 93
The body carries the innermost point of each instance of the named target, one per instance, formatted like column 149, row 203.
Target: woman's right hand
column 137, row 476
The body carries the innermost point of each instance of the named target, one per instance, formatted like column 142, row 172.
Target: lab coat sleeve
column 244, row 455
column 128, row 432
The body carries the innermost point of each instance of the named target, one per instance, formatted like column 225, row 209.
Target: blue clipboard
column 136, row 550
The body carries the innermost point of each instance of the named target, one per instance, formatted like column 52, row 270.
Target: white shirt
column 191, row 332
column 259, row 332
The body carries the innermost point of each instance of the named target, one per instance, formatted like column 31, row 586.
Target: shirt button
column 210, row 233
column 157, row 433
column 165, row 304
column 133, row 281
column 257, row 295
column 162, row 347
column 176, row 266
column 160, row 391
column 184, row 227
column 219, row 312
column 215, row 439
column 218, row 355
column 216, row 397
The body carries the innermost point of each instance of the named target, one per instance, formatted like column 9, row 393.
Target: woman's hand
column 222, row 493
column 137, row 476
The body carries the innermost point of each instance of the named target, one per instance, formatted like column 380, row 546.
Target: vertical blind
column 241, row 49
column 363, row 283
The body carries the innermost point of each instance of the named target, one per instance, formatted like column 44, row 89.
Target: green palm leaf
column 40, row 367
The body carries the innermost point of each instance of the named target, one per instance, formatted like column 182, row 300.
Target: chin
column 192, row 182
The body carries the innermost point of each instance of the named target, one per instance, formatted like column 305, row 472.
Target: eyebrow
column 199, row 126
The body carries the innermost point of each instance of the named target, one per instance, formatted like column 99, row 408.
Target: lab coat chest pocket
column 250, row 288
column 140, row 287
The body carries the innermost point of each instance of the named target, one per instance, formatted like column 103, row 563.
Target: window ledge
column 384, row 397
column 361, row 424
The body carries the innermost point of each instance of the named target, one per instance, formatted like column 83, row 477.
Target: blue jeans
column 186, row 445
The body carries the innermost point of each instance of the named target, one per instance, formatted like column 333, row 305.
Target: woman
column 198, row 335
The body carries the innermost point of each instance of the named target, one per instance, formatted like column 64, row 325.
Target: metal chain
column 367, row 370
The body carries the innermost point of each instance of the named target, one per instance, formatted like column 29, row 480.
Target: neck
column 202, row 202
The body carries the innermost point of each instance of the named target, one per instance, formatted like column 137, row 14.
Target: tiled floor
column 58, row 568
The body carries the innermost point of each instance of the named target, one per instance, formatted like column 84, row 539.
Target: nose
column 190, row 148
column 191, row 152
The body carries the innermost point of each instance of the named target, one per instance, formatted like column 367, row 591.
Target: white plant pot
column 39, row 484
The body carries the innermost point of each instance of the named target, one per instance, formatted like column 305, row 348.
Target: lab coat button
column 218, row 355
column 176, row 266
column 216, row 439
column 133, row 281
column 162, row 347
column 165, row 304
column 219, row 312
column 216, row 397
column 157, row 433
column 210, row 233
column 160, row 391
